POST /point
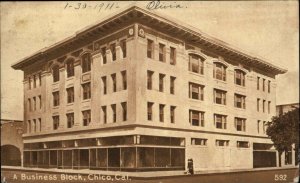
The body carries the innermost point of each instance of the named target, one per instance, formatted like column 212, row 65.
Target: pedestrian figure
column 190, row 166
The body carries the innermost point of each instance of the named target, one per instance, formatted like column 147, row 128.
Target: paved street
column 280, row 176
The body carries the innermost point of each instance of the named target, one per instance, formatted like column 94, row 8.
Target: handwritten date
column 98, row 6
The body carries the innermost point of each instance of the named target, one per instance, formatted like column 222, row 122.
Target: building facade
column 140, row 92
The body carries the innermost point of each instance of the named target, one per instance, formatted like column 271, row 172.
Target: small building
column 11, row 142
column 142, row 92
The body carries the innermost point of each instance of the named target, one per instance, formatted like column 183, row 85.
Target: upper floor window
column 29, row 126
column 55, row 98
column 149, row 110
column 242, row 144
column 239, row 101
column 196, row 118
column 172, row 56
column 40, row 79
column 196, row 91
column 86, row 117
column 269, row 86
column 196, row 64
column 199, row 141
column 161, row 112
column 264, row 103
column 172, row 114
column 264, row 82
column 29, row 104
column 222, row 142
column 103, row 52
column 220, row 121
column 104, row 114
column 150, row 48
column 220, row 97
column 55, row 73
column 70, row 95
column 114, row 112
column 257, row 82
column 55, row 122
column 123, row 47
column 34, row 81
column 149, row 80
column 240, row 124
column 86, row 91
column 34, row 103
column 86, row 63
column 124, row 110
column 29, row 83
column 70, row 68
column 114, row 82
column 172, row 84
column 113, row 51
column 219, row 71
column 269, row 107
column 104, row 85
column 70, row 120
column 161, row 82
column 257, row 104
column 240, row 77
column 40, row 99
column 124, row 80
column 162, row 52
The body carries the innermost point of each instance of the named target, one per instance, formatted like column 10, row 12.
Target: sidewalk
column 137, row 175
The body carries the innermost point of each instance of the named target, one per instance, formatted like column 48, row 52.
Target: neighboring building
column 11, row 142
column 140, row 92
column 288, row 156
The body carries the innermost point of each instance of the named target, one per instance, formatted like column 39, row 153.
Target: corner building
column 141, row 92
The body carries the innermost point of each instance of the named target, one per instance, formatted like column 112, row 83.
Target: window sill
column 70, row 104
column 86, row 100
column 220, row 81
column 55, row 107
column 196, row 74
column 70, row 78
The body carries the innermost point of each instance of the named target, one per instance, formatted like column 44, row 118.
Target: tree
column 284, row 131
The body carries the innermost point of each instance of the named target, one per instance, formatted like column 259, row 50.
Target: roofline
column 166, row 19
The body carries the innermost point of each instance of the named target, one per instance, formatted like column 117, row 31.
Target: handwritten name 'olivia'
column 154, row 5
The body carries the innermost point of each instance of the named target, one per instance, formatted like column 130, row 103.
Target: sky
column 265, row 28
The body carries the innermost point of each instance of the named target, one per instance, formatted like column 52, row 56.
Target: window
column 29, row 83
column 114, row 112
column 34, row 103
column 29, row 104
column 242, row 144
column 269, row 86
column 40, row 99
column 150, row 48
column 104, row 85
column 55, row 122
column 222, row 142
column 199, row 141
column 240, row 77
column 161, row 82
column 264, row 102
column 172, row 84
column 40, row 124
column 86, row 91
column 55, row 98
column 103, row 52
column 220, row 97
column 258, row 78
column 86, row 63
column 258, row 126
column 104, row 114
column 288, row 160
column 172, row 56
column 86, row 117
column 196, row 91
column 40, row 79
column 123, row 47
column 29, row 126
column 264, row 127
column 240, row 124
column 124, row 110
column 161, row 112
column 124, row 80
column 257, row 104
column 34, row 125
column 149, row 80
column 219, row 71
column 264, row 82
column 269, row 107
column 70, row 95
column 196, row 64
column 55, row 73
column 220, row 121
column 70, row 68
column 196, row 118
column 239, row 101
column 149, row 111
column 34, row 81
column 162, row 52
column 114, row 82
column 70, row 120
column 113, row 51
column 172, row 114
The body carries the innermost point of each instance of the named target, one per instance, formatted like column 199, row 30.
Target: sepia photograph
column 149, row 91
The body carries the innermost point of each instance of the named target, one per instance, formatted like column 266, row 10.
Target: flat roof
column 140, row 15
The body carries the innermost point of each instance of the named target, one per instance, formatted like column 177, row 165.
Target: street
column 269, row 176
